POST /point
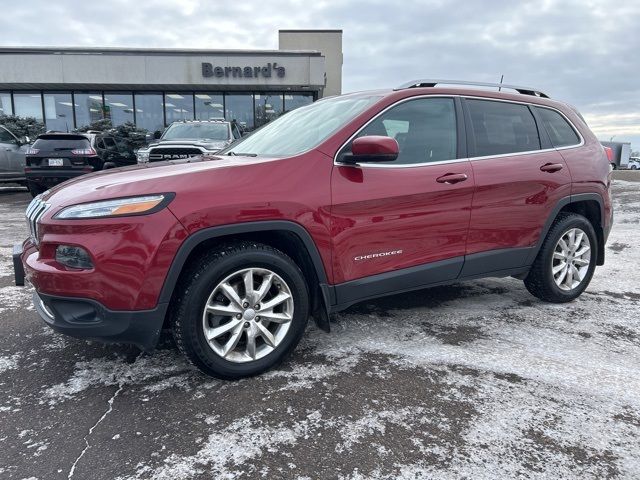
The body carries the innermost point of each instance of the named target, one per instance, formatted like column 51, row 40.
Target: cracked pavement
column 476, row 379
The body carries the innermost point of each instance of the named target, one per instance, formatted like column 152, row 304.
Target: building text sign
column 266, row 71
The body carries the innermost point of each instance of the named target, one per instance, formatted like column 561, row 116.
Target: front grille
column 34, row 213
column 172, row 153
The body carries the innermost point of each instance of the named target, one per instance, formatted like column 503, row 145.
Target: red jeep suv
column 350, row 198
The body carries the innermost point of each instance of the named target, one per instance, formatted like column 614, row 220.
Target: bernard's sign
column 266, row 71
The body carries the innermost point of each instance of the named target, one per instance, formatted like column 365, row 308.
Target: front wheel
column 566, row 261
column 241, row 310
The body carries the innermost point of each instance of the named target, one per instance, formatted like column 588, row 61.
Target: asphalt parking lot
column 476, row 380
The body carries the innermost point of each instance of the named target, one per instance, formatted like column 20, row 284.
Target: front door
column 412, row 212
column 10, row 155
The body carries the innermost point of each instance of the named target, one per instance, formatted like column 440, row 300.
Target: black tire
column 35, row 189
column 540, row 281
column 198, row 282
column 633, row 167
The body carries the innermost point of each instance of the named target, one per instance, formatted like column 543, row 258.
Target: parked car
column 347, row 199
column 189, row 138
column 634, row 163
column 57, row 157
column 12, row 156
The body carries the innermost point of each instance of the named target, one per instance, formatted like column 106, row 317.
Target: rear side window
column 501, row 128
column 560, row 132
column 60, row 143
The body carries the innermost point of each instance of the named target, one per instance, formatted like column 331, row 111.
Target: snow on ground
column 475, row 380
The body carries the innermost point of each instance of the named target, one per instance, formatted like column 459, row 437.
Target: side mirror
column 372, row 148
column 24, row 140
column 157, row 134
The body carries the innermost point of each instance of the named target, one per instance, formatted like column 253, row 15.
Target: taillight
column 609, row 152
column 84, row 151
column 31, row 151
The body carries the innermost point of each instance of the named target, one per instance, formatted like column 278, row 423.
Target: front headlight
column 117, row 207
column 142, row 157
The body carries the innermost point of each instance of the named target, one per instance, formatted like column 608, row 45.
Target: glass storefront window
column 89, row 107
column 5, row 104
column 268, row 107
column 178, row 106
column 58, row 111
column 239, row 107
column 118, row 107
column 28, row 105
column 149, row 113
column 209, row 106
column 297, row 100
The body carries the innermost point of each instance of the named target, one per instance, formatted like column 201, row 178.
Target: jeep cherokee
column 350, row 198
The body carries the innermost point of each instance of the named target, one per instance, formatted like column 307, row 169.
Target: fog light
column 73, row 257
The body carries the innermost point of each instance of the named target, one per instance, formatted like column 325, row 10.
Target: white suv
column 634, row 163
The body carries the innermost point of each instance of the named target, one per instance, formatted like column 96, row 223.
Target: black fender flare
column 195, row 239
column 563, row 202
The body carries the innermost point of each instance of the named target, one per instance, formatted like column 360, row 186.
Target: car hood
column 146, row 178
column 209, row 145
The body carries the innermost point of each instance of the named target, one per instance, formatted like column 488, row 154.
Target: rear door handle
column 551, row 167
column 452, row 178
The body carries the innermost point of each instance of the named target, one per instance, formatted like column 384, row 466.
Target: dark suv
column 350, row 198
column 57, row 157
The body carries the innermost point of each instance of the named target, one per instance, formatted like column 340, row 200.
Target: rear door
column 519, row 179
column 401, row 214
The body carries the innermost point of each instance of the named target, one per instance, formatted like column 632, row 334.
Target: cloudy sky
column 582, row 51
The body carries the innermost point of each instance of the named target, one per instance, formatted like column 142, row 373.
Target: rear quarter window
column 501, row 128
column 560, row 132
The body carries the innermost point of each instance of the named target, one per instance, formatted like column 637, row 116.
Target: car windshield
column 303, row 128
column 197, row 131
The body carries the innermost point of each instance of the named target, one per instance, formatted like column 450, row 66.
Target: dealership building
column 73, row 87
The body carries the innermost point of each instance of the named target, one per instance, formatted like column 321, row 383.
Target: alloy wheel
column 571, row 259
column 247, row 315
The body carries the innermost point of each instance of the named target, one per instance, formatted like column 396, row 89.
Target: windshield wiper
column 243, row 154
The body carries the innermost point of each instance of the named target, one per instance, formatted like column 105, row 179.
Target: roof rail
column 432, row 83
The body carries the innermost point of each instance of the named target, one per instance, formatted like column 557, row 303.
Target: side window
column 424, row 128
column 559, row 130
column 110, row 144
column 500, row 128
column 6, row 137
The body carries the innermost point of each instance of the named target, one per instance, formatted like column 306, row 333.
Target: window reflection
column 28, row 105
column 209, row 106
column 89, row 107
column 268, row 107
column 58, row 111
column 293, row 101
column 178, row 106
column 149, row 114
column 118, row 107
column 239, row 107
column 5, row 104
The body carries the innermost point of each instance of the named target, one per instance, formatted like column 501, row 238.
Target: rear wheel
column 35, row 189
column 241, row 310
column 566, row 261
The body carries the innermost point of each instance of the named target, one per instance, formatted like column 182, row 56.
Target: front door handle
column 452, row 178
column 551, row 167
